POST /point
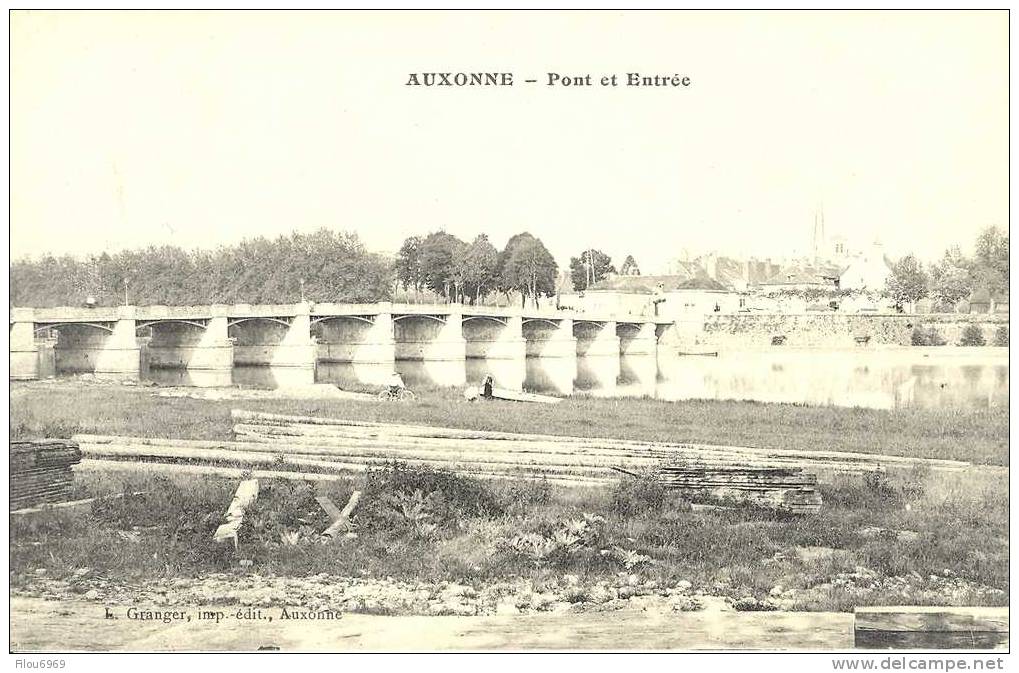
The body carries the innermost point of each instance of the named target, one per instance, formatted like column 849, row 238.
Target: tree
column 409, row 270
column 441, row 274
column 589, row 268
column 629, row 267
column 907, row 282
column 950, row 279
column 990, row 263
column 479, row 262
column 528, row 267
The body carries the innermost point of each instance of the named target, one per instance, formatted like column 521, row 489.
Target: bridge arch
column 199, row 323
column 554, row 324
column 491, row 318
column 45, row 327
column 316, row 320
column 408, row 316
column 286, row 321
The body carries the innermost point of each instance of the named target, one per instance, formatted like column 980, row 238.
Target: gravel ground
column 386, row 596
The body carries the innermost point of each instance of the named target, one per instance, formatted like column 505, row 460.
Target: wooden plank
column 327, row 504
column 343, row 520
column 72, row 503
column 246, row 493
column 521, row 396
column 932, row 618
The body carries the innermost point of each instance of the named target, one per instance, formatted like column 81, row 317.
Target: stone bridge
column 300, row 343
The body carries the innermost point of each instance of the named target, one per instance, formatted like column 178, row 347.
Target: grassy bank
column 921, row 539
column 59, row 409
column 938, row 538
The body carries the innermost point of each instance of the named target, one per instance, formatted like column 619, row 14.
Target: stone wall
column 817, row 330
column 949, row 326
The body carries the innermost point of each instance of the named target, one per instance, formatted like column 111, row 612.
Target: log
column 331, row 462
column 101, row 464
column 208, row 455
column 462, row 451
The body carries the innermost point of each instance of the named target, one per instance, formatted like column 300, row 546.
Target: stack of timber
column 310, row 430
column 274, row 445
column 41, row 471
column 791, row 490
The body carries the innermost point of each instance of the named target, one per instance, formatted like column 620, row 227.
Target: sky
column 199, row 129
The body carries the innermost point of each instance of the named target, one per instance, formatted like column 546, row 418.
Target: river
column 882, row 378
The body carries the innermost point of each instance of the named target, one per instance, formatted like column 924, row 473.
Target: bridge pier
column 191, row 352
column 119, row 356
column 596, row 337
column 637, row 338
column 274, row 351
column 431, row 348
column 598, row 355
column 355, row 349
column 551, row 354
column 496, row 346
column 24, row 352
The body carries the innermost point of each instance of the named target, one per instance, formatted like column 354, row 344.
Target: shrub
column 926, row 337
column 1001, row 336
column 641, row 496
column 876, row 491
column 446, row 498
column 972, row 335
column 556, row 544
column 522, row 494
column 286, row 513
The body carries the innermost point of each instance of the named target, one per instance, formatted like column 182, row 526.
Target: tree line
column 955, row 276
column 468, row 272
column 324, row 266
column 321, row 266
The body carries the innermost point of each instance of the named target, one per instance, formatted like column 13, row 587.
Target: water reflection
column 883, row 379
column 973, row 378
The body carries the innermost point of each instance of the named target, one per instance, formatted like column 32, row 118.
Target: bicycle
column 403, row 394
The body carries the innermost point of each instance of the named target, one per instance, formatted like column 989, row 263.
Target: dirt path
column 42, row 625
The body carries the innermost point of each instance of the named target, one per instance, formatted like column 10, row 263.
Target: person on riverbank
column 396, row 384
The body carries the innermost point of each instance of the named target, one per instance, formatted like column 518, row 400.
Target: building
column 804, row 276
column 662, row 295
column 983, row 301
column 868, row 271
column 698, row 296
